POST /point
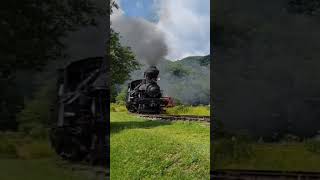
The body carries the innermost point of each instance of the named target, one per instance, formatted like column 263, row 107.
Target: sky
column 184, row 23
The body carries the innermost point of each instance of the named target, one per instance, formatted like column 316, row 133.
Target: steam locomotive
column 79, row 114
column 144, row 95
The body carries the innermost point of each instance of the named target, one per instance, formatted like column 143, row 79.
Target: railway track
column 175, row 117
column 263, row 175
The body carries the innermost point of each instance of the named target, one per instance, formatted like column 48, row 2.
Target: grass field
column 284, row 157
column 36, row 169
column 144, row 149
column 177, row 110
column 189, row 110
column 24, row 158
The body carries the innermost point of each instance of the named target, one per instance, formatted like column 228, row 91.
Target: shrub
column 313, row 146
column 35, row 115
column 232, row 149
column 34, row 150
column 115, row 107
column 121, row 97
column 7, row 147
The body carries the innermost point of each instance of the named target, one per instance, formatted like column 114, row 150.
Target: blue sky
column 185, row 23
column 140, row 8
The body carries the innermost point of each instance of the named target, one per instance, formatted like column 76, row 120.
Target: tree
column 31, row 35
column 32, row 30
column 123, row 60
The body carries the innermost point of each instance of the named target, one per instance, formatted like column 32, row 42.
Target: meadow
column 201, row 110
column 145, row 149
column 284, row 156
column 27, row 158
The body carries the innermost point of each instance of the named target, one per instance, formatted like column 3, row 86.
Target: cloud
column 186, row 24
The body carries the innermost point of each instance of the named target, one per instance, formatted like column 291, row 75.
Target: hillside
column 186, row 80
column 202, row 60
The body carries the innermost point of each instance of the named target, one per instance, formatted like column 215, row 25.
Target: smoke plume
column 144, row 38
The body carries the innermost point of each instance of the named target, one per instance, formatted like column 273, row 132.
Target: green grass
column 25, row 158
column 116, row 107
column 36, row 169
column 189, row 110
column 285, row 157
column 177, row 110
column 144, row 149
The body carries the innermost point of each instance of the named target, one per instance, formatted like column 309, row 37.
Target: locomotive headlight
column 158, row 79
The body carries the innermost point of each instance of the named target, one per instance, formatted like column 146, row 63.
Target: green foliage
column 32, row 34
column 178, row 70
column 122, row 62
column 307, row 7
column 17, row 145
column 313, row 146
column 189, row 110
column 34, row 117
column 115, row 107
column 35, row 150
column 32, row 31
column 7, row 145
column 233, row 149
column 121, row 97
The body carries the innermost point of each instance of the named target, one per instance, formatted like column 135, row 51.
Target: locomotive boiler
column 145, row 95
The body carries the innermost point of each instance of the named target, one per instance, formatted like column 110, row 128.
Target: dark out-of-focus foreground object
column 266, row 79
column 80, row 114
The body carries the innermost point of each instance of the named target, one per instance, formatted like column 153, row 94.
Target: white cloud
column 186, row 24
column 117, row 12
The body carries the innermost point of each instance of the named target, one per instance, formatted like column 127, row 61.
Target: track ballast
column 167, row 117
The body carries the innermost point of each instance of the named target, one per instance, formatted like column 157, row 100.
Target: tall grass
column 117, row 107
column 201, row 110
column 16, row 145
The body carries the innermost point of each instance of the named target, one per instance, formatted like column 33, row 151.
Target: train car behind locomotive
column 144, row 95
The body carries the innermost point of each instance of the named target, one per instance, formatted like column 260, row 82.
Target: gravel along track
column 175, row 117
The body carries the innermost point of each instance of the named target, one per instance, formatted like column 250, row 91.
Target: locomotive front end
column 144, row 95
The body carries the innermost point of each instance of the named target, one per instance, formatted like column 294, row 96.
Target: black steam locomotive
column 80, row 117
column 144, row 95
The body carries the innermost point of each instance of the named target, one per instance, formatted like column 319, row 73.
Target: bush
column 313, row 146
column 121, row 97
column 17, row 145
column 232, row 149
column 35, row 115
column 115, row 107
column 7, row 147
column 34, row 150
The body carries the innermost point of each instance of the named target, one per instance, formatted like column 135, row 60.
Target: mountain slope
column 186, row 80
